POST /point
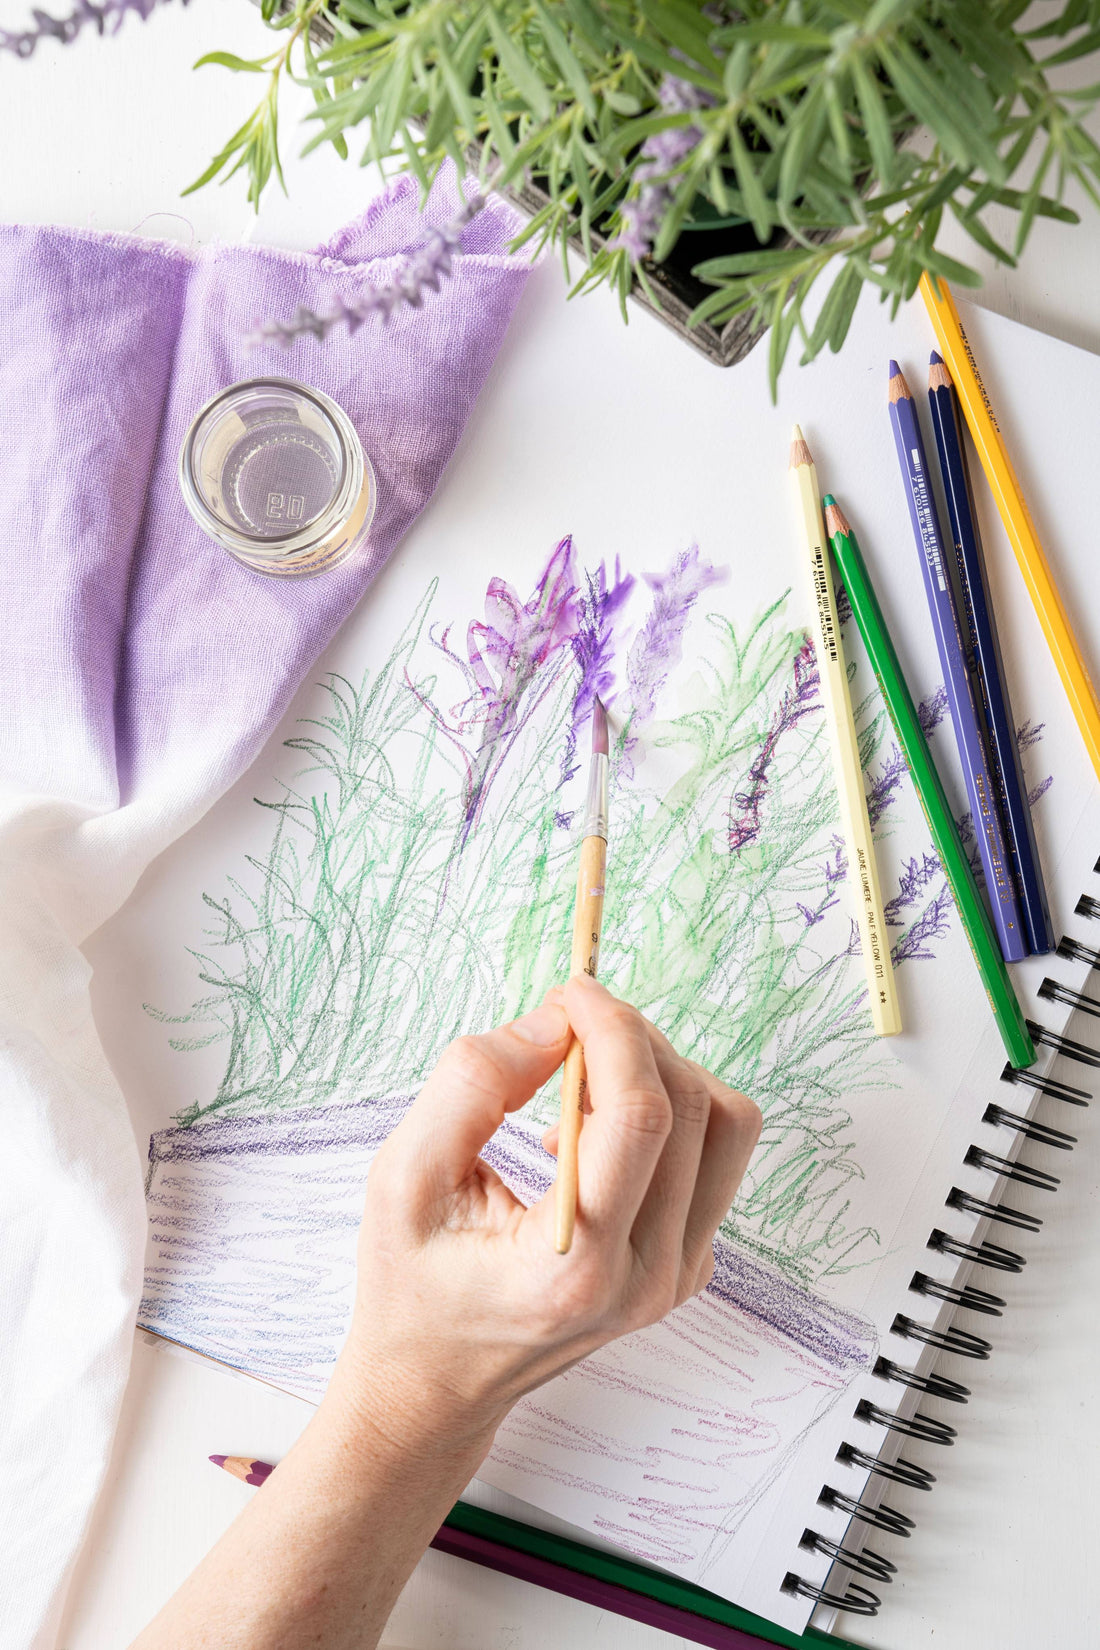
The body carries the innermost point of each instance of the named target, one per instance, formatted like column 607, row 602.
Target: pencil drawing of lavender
column 418, row 882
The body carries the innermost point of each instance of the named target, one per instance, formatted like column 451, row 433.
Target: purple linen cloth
column 142, row 669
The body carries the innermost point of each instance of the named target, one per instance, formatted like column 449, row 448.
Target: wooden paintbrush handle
column 587, row 922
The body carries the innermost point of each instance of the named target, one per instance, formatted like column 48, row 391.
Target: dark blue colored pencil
column 943, row 605
column 989, row 668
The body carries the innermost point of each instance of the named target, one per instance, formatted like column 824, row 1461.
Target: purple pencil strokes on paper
column 797, row 702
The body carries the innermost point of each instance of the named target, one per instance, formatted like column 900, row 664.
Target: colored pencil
column 929, row 787
column 1014, row 512
column 943, row 605
column 603, row 1579
column 854, row 819
column 587, row 923
column 989, row 668
column 240, row 1466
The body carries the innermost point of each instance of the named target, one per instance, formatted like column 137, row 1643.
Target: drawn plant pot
column 253, row 1224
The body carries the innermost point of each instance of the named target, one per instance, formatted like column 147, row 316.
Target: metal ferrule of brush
column 595, row 808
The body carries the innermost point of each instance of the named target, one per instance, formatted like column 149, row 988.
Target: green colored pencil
column 945, row 834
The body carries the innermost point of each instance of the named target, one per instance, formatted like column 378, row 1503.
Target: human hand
column 463, row 1304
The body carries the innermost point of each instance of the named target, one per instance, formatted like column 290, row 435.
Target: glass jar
column 274, row 472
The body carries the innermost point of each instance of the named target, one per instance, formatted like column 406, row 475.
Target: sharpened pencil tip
column 218, row 1460
column 835, row 519
column 899, row 389
column 600, row 745
column 938, row 376
column 800, row 452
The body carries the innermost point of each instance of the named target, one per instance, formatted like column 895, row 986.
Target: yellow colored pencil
column 855, row 823
column 982, row 423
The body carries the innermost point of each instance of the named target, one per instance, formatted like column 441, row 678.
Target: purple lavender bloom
column 66, row 29
column 1039, row 790
column 799, row 699
column 1029, row 734
column 931, row 711
column 912, row 883
column 599, row 605
column 656, row 649
column 642, row 215
column 834, row 871
column 423, row 273
column 884, row 786
column 932, row 924
column 506, row 656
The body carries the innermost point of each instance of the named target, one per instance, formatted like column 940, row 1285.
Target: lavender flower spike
column 66, row 29
column 642, row 215
column 424, row 271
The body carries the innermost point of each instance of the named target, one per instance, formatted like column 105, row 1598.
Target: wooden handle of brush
column 587, row 922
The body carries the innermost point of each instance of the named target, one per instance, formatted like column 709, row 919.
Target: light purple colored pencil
column 965, row 713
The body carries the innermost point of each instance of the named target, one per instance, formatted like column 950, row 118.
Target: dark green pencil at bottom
column 903, row 713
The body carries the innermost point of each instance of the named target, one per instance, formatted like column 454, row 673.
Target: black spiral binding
column 856, row 1598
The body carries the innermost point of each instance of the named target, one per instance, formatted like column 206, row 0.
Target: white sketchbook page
column 621, row 438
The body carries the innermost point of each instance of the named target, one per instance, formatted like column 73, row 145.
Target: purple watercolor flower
column 931, row 711
column 1039, row 790
column 506, row 656
column 798, row 700
column 1029, row 734
column 642, row 215
column 656, row 649
column 598, row 606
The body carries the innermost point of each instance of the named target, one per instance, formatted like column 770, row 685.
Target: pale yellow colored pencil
column 855, row 824
column 587, row 923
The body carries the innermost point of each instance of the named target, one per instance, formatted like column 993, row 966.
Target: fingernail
column 545, row 1026
column 587, row 982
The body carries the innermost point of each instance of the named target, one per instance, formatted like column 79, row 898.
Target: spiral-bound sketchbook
column 398, row 867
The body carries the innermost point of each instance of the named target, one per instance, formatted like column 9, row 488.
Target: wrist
column 379, row 1410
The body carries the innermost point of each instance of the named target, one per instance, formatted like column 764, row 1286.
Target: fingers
column 733, row 1128
column 658, row 1232
column 476, row 1082
column 623, row 1138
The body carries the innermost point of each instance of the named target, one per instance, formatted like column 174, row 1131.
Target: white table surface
column 105, row 133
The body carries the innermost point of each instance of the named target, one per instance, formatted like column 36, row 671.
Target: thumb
column 476, row 1082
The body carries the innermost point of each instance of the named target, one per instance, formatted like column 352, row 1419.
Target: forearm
column 323, row 1549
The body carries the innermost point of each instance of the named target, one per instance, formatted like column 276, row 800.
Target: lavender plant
column 773, row 136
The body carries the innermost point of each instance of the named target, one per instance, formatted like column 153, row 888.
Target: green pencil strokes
column 418, row 883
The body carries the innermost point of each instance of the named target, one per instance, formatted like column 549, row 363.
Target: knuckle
column 470, row 1062
column 646, row 1111
column 692, row 1100
column 623, row 1019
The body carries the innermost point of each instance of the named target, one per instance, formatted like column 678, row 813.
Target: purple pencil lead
column 935, row 359
column 894, row 370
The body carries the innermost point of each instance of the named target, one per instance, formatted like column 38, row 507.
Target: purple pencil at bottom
column 605, row 1595
column 965, row 714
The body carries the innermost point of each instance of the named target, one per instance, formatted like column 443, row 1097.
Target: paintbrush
column 587, row 921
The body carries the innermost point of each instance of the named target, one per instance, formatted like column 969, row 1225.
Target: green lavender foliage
column 807, row 106
column 375, row 929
